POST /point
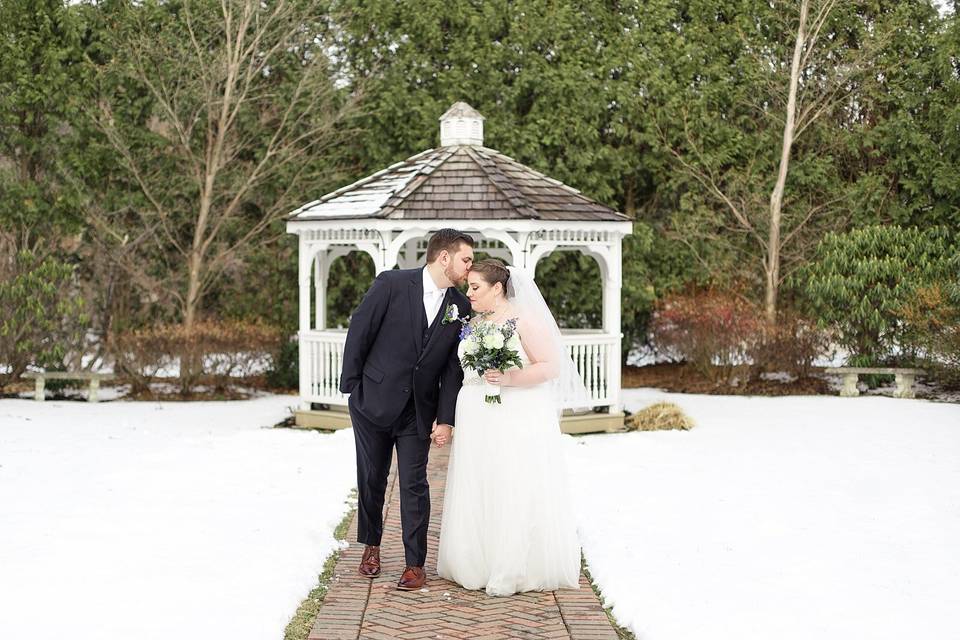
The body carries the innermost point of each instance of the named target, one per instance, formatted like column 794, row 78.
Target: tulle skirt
column 508, row 523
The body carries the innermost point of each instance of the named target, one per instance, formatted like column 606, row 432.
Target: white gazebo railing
column 321, row 357
column 596, row 356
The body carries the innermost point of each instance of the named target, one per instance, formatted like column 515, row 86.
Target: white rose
column 471, row 345
column 514, row 343
column 493, row 340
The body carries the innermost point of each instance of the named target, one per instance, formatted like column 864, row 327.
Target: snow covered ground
column 163, row 520
column 787, row 518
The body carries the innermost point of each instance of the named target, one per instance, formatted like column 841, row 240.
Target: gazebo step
column 338, row 418
column 322, row 418
column 592, row 423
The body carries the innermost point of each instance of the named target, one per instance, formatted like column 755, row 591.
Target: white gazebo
column 513, row 212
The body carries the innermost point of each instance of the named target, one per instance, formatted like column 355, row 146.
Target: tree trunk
column 776, row 196
column 195, row 262
column 193, row 292
column 191, row 362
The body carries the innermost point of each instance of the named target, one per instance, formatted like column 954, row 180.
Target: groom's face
column 459, row 264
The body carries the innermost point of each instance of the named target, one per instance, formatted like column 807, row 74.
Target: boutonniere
column 452, row 314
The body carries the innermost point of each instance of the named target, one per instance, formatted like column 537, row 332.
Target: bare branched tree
column 222, row 116
column 818, row 83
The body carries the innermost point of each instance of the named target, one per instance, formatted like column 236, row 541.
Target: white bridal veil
column 568, row 388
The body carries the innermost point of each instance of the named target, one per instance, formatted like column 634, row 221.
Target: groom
column 401, row 370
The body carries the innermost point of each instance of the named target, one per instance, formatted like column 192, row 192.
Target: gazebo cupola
column 461, row 124
column 513, row 212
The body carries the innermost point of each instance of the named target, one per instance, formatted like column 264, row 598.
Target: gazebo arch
column 512, row 211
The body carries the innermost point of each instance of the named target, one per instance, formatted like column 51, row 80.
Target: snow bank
column 795, row 517
column 163, row 520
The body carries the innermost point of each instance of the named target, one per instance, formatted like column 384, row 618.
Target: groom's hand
column 442, row 434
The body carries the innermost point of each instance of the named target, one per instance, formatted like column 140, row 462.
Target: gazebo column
column 612, row 270
column 321, row 273
column 305, row 266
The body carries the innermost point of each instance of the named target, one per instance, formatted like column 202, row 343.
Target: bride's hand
column 493, row 376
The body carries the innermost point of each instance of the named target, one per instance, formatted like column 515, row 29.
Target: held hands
column 493, row 376
column 441, row 434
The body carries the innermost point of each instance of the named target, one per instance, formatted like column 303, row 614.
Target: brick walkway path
column 357, row 607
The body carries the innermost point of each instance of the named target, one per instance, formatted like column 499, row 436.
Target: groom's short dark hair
column 448, row 240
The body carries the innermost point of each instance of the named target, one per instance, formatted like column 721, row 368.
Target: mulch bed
column 682, row 378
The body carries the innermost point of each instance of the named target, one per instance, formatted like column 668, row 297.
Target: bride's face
column 482, row 295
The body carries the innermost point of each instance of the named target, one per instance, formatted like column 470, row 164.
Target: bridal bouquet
column 488, row 345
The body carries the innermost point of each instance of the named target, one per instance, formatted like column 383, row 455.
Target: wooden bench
column 40, row 379
column 904, row 379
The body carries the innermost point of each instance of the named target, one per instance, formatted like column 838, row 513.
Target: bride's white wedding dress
column 508, row 523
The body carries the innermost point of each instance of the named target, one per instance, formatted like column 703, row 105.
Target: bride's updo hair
column 492, row 271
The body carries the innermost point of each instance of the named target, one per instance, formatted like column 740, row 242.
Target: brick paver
column 357, row 607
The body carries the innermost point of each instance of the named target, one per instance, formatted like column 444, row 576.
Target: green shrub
column 858, row 282
column 285, row 372
column 932, row 329
column 41, row 317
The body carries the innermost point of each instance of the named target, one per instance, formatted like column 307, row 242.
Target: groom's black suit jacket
column 391, row 353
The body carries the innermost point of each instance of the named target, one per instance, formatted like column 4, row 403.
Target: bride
column 507, row 522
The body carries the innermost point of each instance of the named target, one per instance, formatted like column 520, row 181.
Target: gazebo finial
column 461, row 125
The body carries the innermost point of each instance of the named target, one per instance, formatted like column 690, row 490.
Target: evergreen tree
column 41, row 77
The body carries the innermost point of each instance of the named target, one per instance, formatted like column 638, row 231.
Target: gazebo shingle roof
column 458, row 182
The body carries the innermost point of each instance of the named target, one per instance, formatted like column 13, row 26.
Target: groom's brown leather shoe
column 370, row 562
column 413, row 578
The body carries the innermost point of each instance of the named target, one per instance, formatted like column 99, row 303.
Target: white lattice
column 572, row 236
column 341, row 236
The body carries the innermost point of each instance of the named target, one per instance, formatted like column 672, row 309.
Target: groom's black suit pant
column 375, row 446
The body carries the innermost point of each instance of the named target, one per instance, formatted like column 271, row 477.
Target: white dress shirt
column 432, row 296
